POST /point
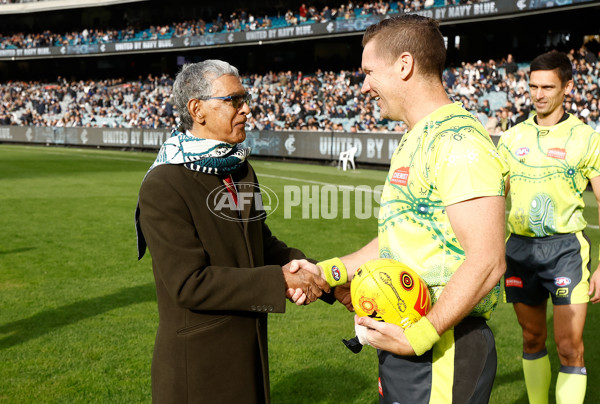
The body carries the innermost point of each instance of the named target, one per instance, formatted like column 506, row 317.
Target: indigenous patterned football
column 387, row 290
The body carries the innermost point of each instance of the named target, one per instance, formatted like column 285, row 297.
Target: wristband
column 335, row 271
column 421, row 336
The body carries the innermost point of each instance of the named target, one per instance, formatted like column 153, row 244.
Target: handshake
column 305, row 282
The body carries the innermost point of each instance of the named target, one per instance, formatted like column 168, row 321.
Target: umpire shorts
column 556, row 266
column 459, row 369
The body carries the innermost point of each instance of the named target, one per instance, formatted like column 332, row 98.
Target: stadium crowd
column 237, row 20
column 497, row 93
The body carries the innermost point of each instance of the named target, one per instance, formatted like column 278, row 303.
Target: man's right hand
column 310, row 284
column 341, row 293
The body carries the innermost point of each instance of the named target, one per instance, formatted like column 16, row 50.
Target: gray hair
column 195, row 81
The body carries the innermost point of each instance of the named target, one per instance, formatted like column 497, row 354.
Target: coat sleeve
column 182, row 265
column 278, row 253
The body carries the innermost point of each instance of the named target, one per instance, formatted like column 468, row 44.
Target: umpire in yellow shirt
column 442, row 214
column 552, row 157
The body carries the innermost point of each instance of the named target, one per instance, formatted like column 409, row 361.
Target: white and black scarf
column 202, row 155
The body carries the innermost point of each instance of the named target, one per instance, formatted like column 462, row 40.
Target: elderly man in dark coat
column 217, row 267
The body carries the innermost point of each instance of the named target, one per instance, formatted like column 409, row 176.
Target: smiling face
column 220, row 120
column 548, row 93
column 379, row 81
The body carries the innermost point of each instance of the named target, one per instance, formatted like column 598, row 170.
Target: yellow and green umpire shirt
column 448, row 157
column 550, row 167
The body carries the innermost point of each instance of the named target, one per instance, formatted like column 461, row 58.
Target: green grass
column 78, row 311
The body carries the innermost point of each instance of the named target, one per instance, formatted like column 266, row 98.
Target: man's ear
column 569, row 87
column 196, row 110
column 405, row 65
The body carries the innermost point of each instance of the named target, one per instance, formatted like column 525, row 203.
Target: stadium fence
column 372, row 147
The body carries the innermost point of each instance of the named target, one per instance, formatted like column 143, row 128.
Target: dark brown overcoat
column 216, row 278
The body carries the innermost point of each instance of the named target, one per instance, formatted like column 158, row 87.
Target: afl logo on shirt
column 562, row 281
column 522, row 151
column 400, row 176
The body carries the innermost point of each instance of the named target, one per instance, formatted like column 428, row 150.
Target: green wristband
column 335, row 271
column 421, row 336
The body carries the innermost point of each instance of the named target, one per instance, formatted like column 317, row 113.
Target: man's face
column 547, row 91
column 223, row 121
column 379, row 80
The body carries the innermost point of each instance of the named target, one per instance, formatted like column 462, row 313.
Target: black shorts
column 557, row 265
column 460, row 368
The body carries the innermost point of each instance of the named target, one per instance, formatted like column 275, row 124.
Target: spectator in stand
column 506, row 120
column 302, row 12
column 290, row 18
column 510, row 67
column 485, row 107
column 492, row 72
column 450, row 77
column 326, row 14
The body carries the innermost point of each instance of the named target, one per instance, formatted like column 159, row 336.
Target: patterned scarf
column 202, row 155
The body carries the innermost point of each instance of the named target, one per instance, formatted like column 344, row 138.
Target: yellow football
column 387, row 290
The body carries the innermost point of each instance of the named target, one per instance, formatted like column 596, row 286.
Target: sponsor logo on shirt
column 400, row 176
column 335, row 272
column 522, row 151
column 562, row 292
column 557, row 153
column 514, row 282
column 562, row 281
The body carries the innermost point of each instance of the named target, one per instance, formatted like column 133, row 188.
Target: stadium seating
column 147, row 103
column 21, row 40
column 152, row 107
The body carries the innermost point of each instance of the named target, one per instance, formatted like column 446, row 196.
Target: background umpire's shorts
column 558, row 265
column 459, row 369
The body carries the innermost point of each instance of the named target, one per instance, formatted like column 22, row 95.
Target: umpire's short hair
column 418, row 35
column 554, row 60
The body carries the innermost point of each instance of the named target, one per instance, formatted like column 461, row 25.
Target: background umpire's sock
column 570, row 385
column 536, row 369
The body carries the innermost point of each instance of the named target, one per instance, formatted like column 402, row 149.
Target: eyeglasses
column 237, row 101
